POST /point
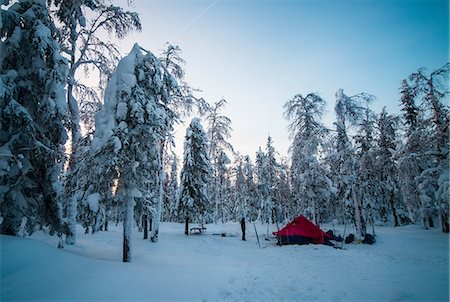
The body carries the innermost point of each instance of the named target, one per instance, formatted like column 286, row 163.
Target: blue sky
column 258, row 54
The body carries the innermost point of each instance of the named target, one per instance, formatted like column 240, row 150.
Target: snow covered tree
column 219, row 129
column 311, row 186
column 277, row 178
column 32, row 137
column 262, row 186
column 410, row 164
column 433, row 90
column 252, row 200
column 246, row 203
column 409, row 107
column 239, row 190
column 195, row 176
column 349, row 112
column 283, row 205
column 368, row 176
column 183, row 100
column 222, row 192
column 171, row 205
column 267, row 169
column 130, row 132
column 84, row 49
column 87, row 50
column 387, row 126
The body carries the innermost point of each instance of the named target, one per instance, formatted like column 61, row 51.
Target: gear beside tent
column 302, row 231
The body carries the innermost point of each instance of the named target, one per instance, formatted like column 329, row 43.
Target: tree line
column 369, row 168
column 120, row 167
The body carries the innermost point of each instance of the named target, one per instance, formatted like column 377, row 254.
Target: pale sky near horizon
column 258, row 54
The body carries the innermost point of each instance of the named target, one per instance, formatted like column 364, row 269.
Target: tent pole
column 343, row 236
column 257, row 237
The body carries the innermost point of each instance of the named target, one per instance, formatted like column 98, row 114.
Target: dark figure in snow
column 186, row 227
column 243, row 228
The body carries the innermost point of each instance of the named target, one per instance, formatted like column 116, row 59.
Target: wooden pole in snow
column 257, row 237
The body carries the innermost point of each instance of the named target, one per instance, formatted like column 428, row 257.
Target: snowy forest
column 96, row 155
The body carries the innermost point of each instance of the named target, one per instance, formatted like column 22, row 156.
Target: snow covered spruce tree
column 31, row 118
column 434, row 180
column 311, row 186
column 130, row 131
column 194, row 202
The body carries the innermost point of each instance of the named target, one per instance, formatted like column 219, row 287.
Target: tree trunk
column 314, row 218
column 394, row 211
column 444, row 222
column 186, row 227
column 75, row 132
column 430, row 221
column 117, row 215
column 126, row 248
column 72, row 221
column 72, row 105
column 359, row 219
column 157, row 218
column 145, row 225
column 105, row 225
column 424, row 222
column 410, row 212
column 127, row 223
column 93, row 228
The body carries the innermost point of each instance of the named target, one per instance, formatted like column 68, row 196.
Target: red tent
column 302, row 231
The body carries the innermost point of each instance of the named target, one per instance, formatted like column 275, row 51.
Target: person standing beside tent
column 243, row 228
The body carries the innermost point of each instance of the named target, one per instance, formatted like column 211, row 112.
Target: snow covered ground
column 406, row 264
